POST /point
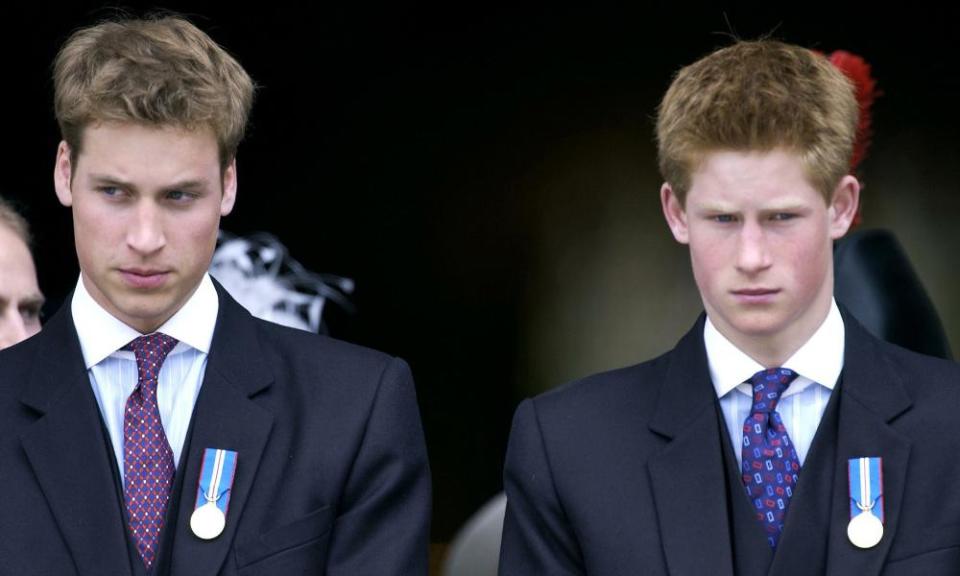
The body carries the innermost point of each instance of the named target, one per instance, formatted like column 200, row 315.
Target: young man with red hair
column 778, row 436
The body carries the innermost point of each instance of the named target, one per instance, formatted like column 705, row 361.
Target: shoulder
column 926, row 378
column 879, row 373
column 914, row 362
column 299, row 348
column 307, row 372
column 919, row 375
column 603, row 400
column 235, row 325
column 17, row 362
column 297, row 357
column 319, row 369
column 22, row 353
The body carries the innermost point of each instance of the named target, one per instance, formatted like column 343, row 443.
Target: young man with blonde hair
column 154, row 426
column 20, row 296
column 778, row 436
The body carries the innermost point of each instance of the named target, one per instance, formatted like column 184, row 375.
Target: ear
column 229, row 196
column 843, row 206
column 63, row 174
column 675, row 214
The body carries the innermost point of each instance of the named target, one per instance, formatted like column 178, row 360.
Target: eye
column 110, row 191
column 31, row 313
column 783, row 216
column 723, row 218
column 180, row 196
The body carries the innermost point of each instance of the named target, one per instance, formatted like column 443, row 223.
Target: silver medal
column 207, row 521
column 865, row 530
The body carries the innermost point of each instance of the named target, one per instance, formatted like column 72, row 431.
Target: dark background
column 487, row 177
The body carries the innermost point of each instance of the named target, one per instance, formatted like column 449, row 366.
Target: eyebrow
column 712, row 208
column 33, row 300
column 106, row 180
column 719, row 208
column 30, row 301
column 785, row 208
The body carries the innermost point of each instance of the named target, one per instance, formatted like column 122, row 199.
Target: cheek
column 93, row 224
column 708, row 256
column 196, row 234
column 810, row 263
column 89, row 236
column 205, row 226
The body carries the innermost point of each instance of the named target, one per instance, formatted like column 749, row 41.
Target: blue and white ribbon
column 216, row 478
column 866, row 486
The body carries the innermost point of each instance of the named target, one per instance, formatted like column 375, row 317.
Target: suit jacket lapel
column 688, row 474
column 872, row 396
column 66, row 449
column 224, row 417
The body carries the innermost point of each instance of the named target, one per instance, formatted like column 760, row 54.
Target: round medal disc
column 865, row 530
column 207, row 521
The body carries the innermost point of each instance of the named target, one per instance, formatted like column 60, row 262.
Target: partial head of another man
column 20, row 296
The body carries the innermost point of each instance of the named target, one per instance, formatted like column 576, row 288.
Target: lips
column 144, row 278
column 755, row 295
column 756, row 291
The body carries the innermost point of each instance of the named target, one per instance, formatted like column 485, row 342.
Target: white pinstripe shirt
column 113, row 372
column 818, row 363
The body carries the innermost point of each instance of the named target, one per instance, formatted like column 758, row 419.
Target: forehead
column 132, row 151
column 751, row 178
column 17, row 274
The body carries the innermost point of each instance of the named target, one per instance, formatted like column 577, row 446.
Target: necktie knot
column 768, row 386
column 150, row 351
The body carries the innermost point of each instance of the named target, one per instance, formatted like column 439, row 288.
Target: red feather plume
column 858, row 71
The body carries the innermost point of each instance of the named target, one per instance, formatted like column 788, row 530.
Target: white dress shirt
column 818, row 364
column 113, row 372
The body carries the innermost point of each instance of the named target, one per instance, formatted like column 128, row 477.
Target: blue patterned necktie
column 770, row 463
column 147, row 458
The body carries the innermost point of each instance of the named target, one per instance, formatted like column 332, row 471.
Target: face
column 20, row 298
column 146, row 208
column 761, row 240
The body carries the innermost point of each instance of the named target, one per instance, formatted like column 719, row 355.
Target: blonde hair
column 155, row 71
column 758, row 96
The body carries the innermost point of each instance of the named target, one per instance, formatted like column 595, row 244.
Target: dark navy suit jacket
column 332, row 474
column 624, row 472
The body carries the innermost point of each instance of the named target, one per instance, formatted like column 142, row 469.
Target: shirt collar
column 101, row 334
column 819, row 360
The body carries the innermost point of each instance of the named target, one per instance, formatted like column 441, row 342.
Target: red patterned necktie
column 770, row 463
column 147, row 458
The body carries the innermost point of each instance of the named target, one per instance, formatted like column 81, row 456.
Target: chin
column 757, row 325
column 143, row 312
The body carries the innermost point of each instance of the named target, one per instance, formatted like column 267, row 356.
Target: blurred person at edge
column 20, row 296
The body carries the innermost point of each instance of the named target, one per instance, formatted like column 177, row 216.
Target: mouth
column 144, row 278
column 755, row 295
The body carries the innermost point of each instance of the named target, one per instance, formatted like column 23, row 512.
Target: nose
column 12, row 328
column 146, row 232
column 752, row 253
